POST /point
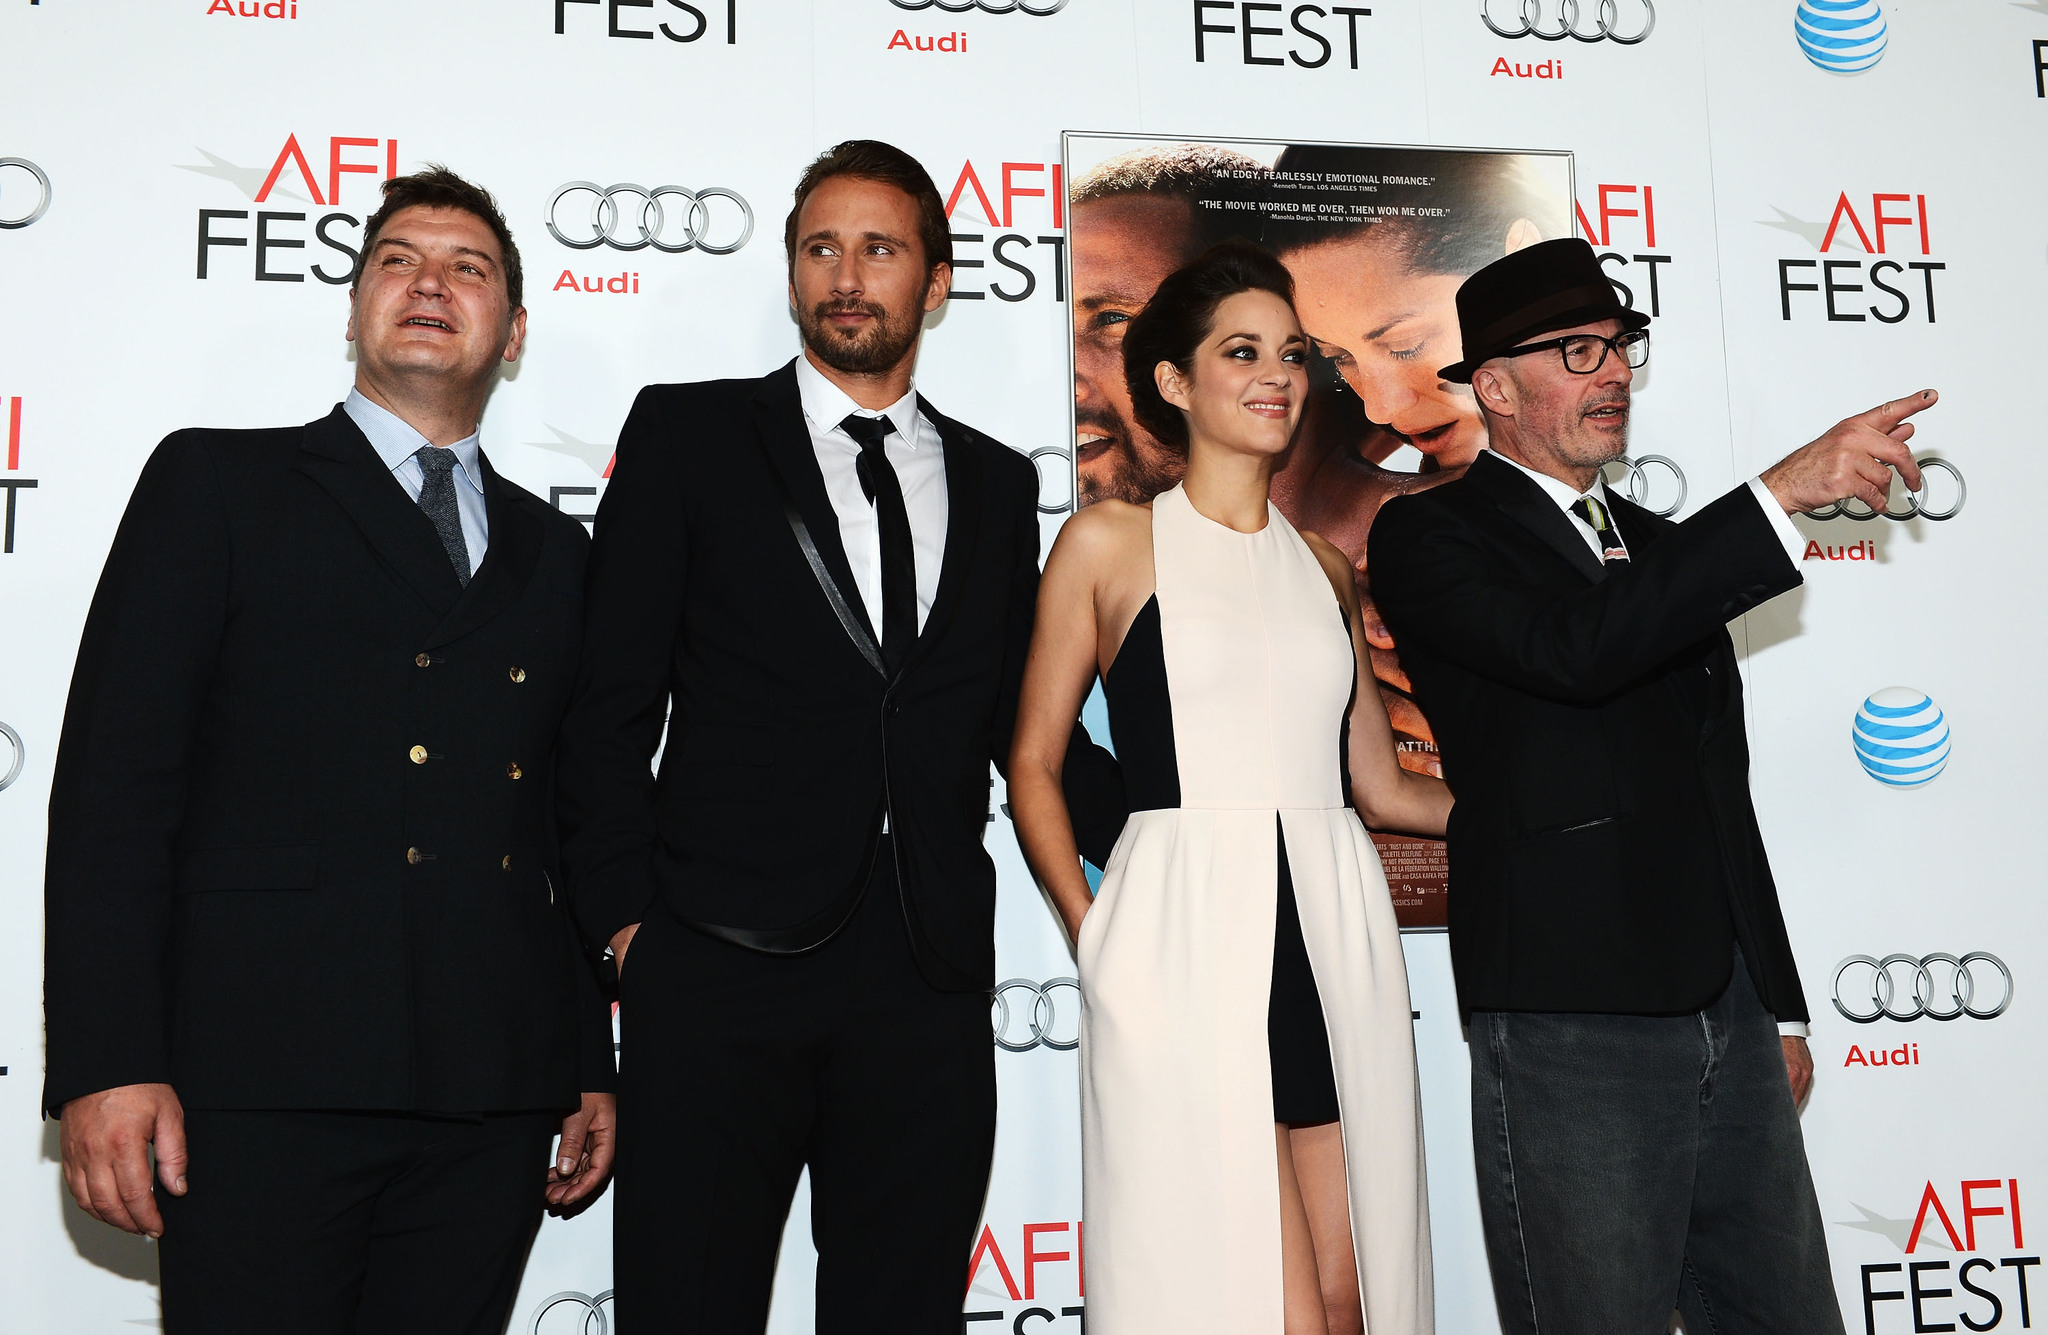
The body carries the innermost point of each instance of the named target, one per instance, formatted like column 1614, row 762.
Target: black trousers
column 738, row 1069
column 1630, row 1164
column 341, row 1223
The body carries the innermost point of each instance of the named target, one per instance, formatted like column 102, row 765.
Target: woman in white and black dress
column 1251, row 1138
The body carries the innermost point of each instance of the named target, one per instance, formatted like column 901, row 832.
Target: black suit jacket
column 1604, row 853
column 231, row 902
column 720, row 599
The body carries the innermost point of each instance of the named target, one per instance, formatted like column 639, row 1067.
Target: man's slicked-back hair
column 1182, row 172
column 873, row 160
column 435, row 187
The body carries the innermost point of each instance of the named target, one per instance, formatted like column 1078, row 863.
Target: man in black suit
column 1620, row 956
column 305, row 929
column 825, row 587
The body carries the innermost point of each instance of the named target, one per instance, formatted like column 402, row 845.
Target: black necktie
column 899, row 560
column 437, row 498
column 1589, row 509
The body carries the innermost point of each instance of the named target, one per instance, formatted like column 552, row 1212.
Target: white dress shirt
column 1566, row 498
column 919, row 458
column 396, row 443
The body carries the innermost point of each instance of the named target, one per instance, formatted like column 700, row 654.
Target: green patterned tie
column 1589, row 509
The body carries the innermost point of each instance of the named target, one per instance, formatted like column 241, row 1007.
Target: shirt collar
column 396, row 441
column 826, row 405
column 1560, row 493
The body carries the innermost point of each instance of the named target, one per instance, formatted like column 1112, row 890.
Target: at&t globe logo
column 1901, row 737
column 1840, row 36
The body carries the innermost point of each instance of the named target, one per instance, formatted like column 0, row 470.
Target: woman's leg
column 1319, row 1173
column 1301, row 1286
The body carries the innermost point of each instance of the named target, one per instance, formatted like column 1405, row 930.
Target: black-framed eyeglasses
column 1583, row 354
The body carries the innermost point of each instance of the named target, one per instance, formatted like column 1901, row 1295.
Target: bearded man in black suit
column 825, row 587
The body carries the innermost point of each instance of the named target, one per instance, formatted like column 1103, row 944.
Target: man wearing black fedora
column 1634, row 1011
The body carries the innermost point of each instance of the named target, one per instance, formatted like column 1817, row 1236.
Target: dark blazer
column 254, row 891
column 1604, row 853
column 721, row 602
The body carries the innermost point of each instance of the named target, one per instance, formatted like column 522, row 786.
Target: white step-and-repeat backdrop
column 1825, row 203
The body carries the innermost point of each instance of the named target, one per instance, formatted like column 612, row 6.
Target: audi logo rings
column 1039, row 9
column 1944, row 987
column 1047, row 1023
column 1606, row 20
column 650, row 220
column 1636, row 481
column 1915, row 507
column 42, row 199
column 1066, row 456
column 593, row 1320
column 20, row 757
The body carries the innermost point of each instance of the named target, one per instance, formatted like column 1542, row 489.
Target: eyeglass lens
column 1584, row 355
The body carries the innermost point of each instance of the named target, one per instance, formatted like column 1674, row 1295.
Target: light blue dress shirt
column 396, row 443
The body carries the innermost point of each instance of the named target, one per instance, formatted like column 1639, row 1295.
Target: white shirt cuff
column 1792, row 1029
column 1781, row 523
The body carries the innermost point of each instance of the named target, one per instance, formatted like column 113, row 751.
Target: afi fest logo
column 311, row 172
column 1310, row 43
column 13, row 484
column 1969, row 1223
column 1841, row 36
column 1626, row 216
column 987, row 198
column 1879, row 286
column 1045, row 1260
column 25, row 193
column 674, row 20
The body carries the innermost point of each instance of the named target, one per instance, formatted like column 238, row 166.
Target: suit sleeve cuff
column 1792, row 539
column 1792, row 1029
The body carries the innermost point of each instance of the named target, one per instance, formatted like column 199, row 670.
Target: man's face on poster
column 1123, row 247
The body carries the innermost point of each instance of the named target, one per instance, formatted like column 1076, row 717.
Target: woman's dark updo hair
column 1181, row 314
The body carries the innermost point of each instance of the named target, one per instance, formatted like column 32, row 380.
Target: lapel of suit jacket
column 509, row 560
column 786, row 440
column 1525, row 503
column 964, row 501
column 336, row 455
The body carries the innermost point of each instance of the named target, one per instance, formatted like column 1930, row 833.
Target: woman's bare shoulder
column 1106, row 531
column 1336, row 566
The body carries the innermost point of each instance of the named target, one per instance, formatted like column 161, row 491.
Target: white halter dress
column 1227, row 705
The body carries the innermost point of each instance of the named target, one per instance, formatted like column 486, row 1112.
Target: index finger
column 1890, row 450
column 1885, row 416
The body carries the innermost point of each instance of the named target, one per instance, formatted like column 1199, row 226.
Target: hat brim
column 1460, row 373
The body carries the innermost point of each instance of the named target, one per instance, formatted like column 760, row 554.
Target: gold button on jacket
column 418, row 754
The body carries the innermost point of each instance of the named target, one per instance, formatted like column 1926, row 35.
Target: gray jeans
column 1630, row 1164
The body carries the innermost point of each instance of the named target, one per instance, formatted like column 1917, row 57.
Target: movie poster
column 1378, row 239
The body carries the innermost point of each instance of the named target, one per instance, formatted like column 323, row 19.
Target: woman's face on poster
column 1388, row 329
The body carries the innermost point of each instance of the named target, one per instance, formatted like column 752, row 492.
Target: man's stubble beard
column 881, row 348
column 1129, row 476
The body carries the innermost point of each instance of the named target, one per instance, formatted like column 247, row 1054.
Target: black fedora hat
column 1550, row 285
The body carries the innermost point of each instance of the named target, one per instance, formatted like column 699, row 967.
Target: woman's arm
column 1387, row 796
column 1057, row 674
